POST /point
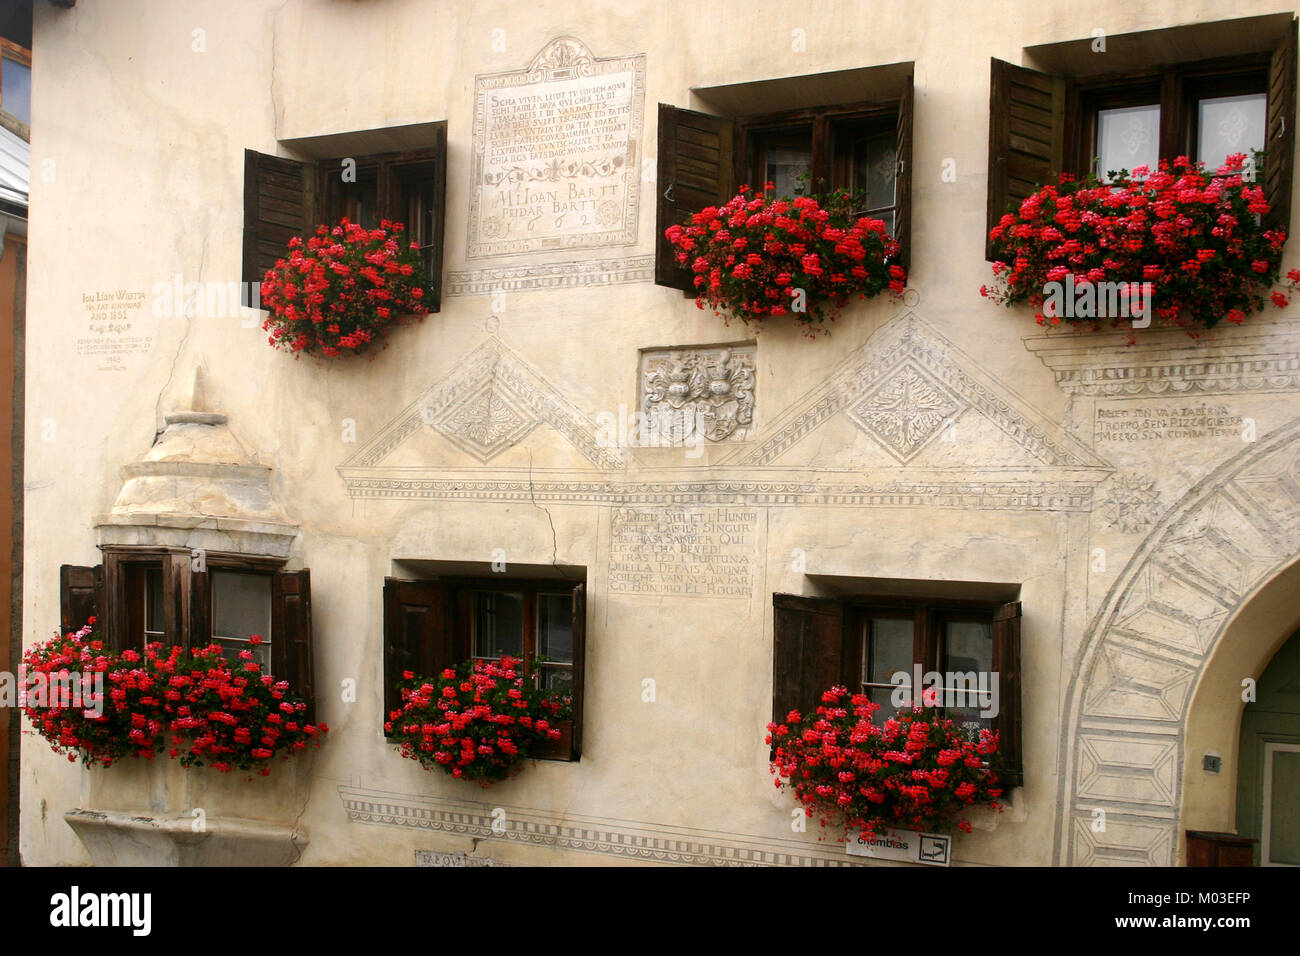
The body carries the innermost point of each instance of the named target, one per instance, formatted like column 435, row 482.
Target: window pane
column 498, row 624
column 153, row 601
column 1229, row 124
column 555, row 627
column 886, row 650
column 241, row 605
column 874, row 169
column 555, row 678
column 785, row 157
column 16, row 90
column 1127, row 138
column 967, row 656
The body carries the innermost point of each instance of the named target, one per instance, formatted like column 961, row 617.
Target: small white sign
column 934, row 849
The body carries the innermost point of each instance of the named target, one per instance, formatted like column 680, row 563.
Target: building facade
column 1113, row 525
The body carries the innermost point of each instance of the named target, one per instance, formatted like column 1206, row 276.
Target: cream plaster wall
column 138, row 174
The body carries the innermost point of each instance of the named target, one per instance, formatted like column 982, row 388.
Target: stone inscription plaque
column 555, row 163
column 701, row 551
column 112, row 328
column 1165, row 422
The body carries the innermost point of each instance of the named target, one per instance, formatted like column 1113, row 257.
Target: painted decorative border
column 579, row 274
column 638, row 842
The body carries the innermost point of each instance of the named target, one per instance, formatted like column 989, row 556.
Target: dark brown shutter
column 696, row 153
column 278, row 205
column 807, row 654
column 291, row 657
column 1006, row 662
column 903, row 177
column 1026, row 136
column 1279, row 146
column 579, row 662
column 439, row 216
column 418, row 634
column 81, row 597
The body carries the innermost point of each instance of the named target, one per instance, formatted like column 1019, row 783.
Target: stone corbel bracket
column 126, row 839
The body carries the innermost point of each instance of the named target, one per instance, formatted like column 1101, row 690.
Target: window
column 1042, row 125
column 436, row 624
column 862, row 145
column 863, row 644
column 285, row 197
column 175, row 596
column 16, row 81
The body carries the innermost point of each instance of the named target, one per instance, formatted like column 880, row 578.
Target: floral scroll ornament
column 709, row 393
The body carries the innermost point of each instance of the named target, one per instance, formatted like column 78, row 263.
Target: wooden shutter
column 903, row 177
column 1026, row 136
column 696, row 153
column 291, row 657
column 81, row 597
column 1006, row 662
column 278, row 205
column 579, row 662
column 419, row 635
column 1279, row 144
column 808, row 652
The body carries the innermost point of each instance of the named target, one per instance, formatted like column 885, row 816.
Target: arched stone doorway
column 1207, row 601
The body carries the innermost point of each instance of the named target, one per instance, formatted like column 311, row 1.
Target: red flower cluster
column 342, row 289
column 916, row 771
column 477, row 722
column 758, row 256
column 210, row 710
column 1195, row 236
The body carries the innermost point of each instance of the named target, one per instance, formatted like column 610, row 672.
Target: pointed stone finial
column 197, row 411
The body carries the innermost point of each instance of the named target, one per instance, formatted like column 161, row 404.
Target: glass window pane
column 886, row 650
column 967, row 655
column 874, row 169
column 498, row 624
column 16, row 90
column 241, row 605
column 555, row 678
column 1127, row 138
column 1229, row 124
column 786, row 157
column 555, row 627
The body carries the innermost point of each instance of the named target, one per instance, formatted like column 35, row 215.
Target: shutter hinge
column 668, row 193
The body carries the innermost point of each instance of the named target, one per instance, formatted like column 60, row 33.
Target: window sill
column 115, row 838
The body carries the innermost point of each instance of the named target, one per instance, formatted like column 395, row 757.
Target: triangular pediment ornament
column 491, row 402
column 562, row 54
column 903, row 388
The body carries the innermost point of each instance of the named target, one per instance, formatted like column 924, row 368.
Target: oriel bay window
column 1044, row 124
column 433, row 625
column 967, row 650
column 286, row 197
column 863, row 144
column 193, row 599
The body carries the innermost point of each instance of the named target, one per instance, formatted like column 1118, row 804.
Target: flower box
column 759, row 256
column 561, row 749
column 1181, row 245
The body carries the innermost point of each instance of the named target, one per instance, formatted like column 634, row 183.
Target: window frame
column 705, row 157
column 9, row 50
column 1176, row 89
column 115, row 591
column 284, row 197
column 820, row 646
column 427, row 629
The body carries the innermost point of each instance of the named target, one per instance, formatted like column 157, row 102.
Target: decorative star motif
column 906, row 411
